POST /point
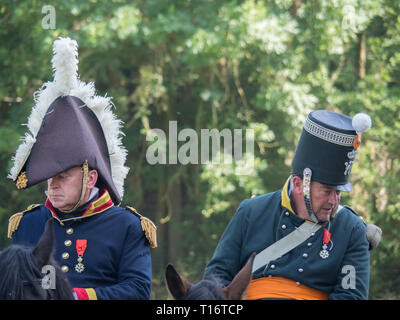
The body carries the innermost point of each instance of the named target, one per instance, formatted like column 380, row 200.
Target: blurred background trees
column 261, row 65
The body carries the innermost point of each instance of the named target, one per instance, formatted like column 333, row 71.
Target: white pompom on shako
column 361, row 122
column 66, row 82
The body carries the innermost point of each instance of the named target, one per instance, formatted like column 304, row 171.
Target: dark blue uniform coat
column 262, row 220
column 117, row 258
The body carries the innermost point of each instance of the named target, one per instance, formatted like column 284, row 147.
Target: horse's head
column 27, row 273
column 209, row 289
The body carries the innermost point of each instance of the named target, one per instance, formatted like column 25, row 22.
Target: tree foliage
column 261, row 65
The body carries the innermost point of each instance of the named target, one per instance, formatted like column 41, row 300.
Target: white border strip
column 331, row 136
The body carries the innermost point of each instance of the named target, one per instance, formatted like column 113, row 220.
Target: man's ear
column 92, row 179
column 297, row 184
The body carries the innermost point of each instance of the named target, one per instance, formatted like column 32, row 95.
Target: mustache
column 50, row 194
column 333, row 208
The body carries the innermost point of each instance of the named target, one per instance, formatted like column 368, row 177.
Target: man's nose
column 334, row 197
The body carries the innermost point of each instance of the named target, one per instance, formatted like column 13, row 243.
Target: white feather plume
column 65, row 64
column 361, row 122
column 66, row 82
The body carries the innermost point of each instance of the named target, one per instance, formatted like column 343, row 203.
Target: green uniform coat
column 262, row 220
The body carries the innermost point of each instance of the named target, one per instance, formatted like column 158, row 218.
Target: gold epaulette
column 149, row 228
column 15, row 219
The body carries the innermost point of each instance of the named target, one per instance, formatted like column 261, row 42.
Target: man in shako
column 75, row 144
column 308, row 246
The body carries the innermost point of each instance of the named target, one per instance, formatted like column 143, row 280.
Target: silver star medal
column 79, row 266
column 324, row 253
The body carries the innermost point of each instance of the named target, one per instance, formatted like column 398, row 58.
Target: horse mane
column 18, row 269
column 206, row 289
column 17, row 266
column 211, row 287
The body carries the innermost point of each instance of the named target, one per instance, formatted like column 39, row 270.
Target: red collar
column 103, row 203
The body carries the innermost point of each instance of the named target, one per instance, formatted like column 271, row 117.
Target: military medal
column 324, row 253
column 80, row 249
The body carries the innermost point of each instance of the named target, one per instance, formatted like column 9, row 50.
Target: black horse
column 209, row 289
column 21, row 270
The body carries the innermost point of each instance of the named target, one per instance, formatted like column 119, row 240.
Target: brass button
column 300, row 270
column 67, row 242
column 305, row 255
column 65, row 255
column 283, row 226
column 70, row 231
column 64, row 268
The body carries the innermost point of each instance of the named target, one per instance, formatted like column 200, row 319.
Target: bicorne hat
column 71, row 126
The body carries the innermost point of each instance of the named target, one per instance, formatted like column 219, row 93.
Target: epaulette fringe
column 15, row 219
column 148, row 227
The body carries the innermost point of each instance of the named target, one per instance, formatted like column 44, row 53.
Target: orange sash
column 282, row 288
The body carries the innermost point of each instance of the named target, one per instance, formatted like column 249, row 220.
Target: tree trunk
column 362, row 56
column 294, row 7
column 174, row 205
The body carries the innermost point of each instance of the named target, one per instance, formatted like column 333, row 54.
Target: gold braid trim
column 22, row 181
column 85, row 171
column 15, row 219
column 149, row 228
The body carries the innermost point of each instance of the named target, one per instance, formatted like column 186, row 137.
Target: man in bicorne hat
column 308, row 246
column 74, row 143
